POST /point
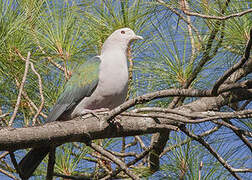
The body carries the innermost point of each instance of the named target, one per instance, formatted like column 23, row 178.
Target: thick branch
column 51, row 163
column 159, row 94
column 205, row 57
column 77, row 130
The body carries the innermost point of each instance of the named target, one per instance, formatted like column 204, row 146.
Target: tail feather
column 31, row 161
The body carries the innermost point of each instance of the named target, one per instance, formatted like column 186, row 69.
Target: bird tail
column 31, row 161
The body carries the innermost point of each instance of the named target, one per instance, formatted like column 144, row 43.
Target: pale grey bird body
column 101, row 82
column 113, row 82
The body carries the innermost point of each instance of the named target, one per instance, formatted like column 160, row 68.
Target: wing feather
column 82, row 84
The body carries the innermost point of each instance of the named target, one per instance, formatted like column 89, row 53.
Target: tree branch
column 75, row 131
column 205, row 58
column 210, row 149
column 155, row 95
column 235, row 67
column 7, row 173
column 184, row 19
column 51, row 163
column 40, row 92
column 216, row 17
column 114, row 159
column 20, row 90
column 138, row 158
column 169, row 148
column 239, row 132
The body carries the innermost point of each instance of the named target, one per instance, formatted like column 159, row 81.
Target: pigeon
column 99, row 83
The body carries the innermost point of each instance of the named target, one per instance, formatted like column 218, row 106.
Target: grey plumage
column 101, row 82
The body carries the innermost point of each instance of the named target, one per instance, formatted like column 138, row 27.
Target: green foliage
column 62, row 34
column 184, row 161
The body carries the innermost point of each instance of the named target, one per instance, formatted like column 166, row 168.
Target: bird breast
column 112, row 87
column 113, row 79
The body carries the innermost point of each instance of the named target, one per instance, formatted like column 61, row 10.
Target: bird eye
column 122, row 32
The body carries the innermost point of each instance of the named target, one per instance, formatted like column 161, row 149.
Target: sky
column 169, row 26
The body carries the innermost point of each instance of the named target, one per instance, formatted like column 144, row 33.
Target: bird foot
column 100, row 110
column 92, row 112
column 95, row 111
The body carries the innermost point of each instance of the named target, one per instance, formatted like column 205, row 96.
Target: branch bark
column 189, row 13
column 77, row 130
column 211, row 150
column 20, row 90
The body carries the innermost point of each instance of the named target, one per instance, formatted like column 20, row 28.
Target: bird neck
column 114, row 57
column 112, row 45
column 114, row 52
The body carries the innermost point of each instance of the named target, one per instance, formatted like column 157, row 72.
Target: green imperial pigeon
column 101, row 82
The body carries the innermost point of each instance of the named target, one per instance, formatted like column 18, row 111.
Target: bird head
column 126, row 34
column 121, row 38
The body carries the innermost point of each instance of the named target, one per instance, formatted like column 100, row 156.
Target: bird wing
column 82, row 84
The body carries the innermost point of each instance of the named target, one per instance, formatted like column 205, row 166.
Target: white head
column 121, row 38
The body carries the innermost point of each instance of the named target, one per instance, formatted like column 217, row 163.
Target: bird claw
column 95, row 115
column 93, row 112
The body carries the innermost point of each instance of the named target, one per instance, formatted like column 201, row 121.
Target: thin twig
column 246, row 133
column 40, row 92
column 244, row 170
column 160, row 94
column 247, row 84
column 210, row 149
column 244, row 105
column 171, row 111
column 99, row 157
column 4, row 115
column 206, row 133
column 134, row 161
column 200, row 168
column 235, row 67
column 205, row 58
column 8, row 174
column 123, row 146
column 140, row 142
column 30, row 102
column 189, row 27
column 24, row 93
column 120, row 163
column 20, row 90
column 120, row 154
column 237, row 131
column 130, row 82
column 4, row 154
column 81, row 177
column 103, row 164
column 133, row 143
column 66, row 72
column 183, row 18
column 189, row 13
column 205, row 116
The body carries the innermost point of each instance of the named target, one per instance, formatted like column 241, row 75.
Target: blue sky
column 169, row 26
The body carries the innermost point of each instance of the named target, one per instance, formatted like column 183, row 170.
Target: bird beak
column 138, row 37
